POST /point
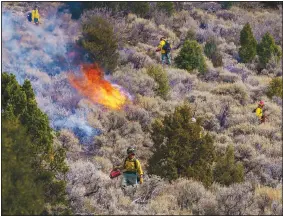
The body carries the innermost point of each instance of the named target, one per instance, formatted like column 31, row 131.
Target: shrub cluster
column 178, row 150
column 191, row 57
column 227, row 171
column 267, row 48
column 100, row 41
column 167, row 7
column 31, row 161
column 248, row 43
column 275, row 88
column 211, row 51
column 160, row 76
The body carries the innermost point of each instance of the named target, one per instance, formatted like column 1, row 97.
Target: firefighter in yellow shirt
column 165, row 48
column 132, row 170
column 259, row 112
column 35, row 15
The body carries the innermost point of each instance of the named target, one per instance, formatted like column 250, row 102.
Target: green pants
column 166, row 57
column 129, row 179
column 35, row 20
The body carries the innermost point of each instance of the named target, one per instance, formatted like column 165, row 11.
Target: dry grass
column 272, row 193
column 164, row 204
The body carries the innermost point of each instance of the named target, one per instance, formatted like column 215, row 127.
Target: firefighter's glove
column 141, row 180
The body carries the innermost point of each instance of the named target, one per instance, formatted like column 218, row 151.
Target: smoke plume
column 45, row 54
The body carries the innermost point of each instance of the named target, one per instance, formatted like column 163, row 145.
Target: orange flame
column 98, row 90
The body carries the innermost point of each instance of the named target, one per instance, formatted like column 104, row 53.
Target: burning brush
column 93, row 85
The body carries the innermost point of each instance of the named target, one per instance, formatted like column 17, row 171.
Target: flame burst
column 98, row 90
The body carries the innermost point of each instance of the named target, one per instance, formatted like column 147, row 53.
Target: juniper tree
column 21, row 192
column 247, row 51
column 275, row 88
column 226, row 170
column 178, row 149
column 44, row 161
column 101, row 42
column 160, row 76
column 267, row 48
column 167, row 7
column 191, row 57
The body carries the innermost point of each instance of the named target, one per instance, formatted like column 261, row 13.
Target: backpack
column 135, row 161
column 167, row 47
column 29, row 17
column 136, row 166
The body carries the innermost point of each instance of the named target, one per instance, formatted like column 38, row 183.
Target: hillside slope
column 97, row 137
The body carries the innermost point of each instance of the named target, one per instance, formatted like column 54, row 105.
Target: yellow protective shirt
column 130, row 166
column 258, row 112
column 34, row 14
column 161, row 44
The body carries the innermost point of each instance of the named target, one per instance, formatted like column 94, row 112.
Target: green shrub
column 139, row 8
column 210, row 48
column 160, row 76
column 191, row 35
column 275, row 88
column 31, row 161
column 113, row 6
column 267, row 48
column 167, row 7
column 272, row 4
column 21, row 193
column 77, row 8
column 211, row 51
column 11, row 93
column 247, row 51
column 226, row 171
column 191, row 57
column 178, row 149
column 100, row 41
column 226, row 5
column 238, row 92
column 217, row 59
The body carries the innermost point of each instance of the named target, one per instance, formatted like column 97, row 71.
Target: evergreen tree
column 45, row 159
column 226, row 171
column 100, row 41
column 272, row 4
column 167, row 7
column 12, row 94
column 267, row 48
column 211, row 51
column 139, row 8
column 210, row 48
column 160, row 76
column 275, row 88
column 191, row 57
column 226, row 5
column 247, row 51
column 21, row 193
column 77, row 8
column 178, row 149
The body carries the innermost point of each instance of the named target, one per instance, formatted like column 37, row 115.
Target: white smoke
column 40, row 54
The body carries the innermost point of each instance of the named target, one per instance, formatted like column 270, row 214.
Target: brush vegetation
column 58, row 147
